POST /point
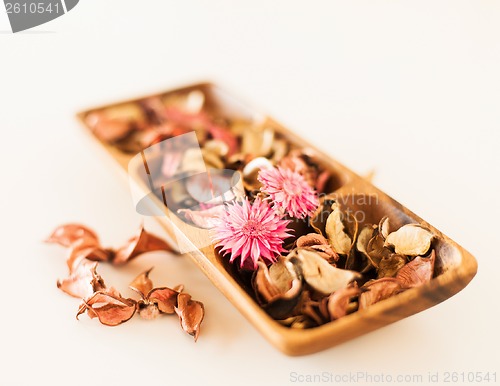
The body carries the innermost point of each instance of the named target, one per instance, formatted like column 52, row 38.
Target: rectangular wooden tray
column 455, row 267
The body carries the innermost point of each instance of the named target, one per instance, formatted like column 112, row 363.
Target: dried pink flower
column 289, row 191
column 251, row 231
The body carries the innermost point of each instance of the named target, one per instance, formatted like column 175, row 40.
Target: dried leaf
column 111, row 309
column 191, row 313
column 390, row 265
column 418, row 271
column 338, row 302
column 277, row 287
column 411, row 240
column 319, row 274
column 139, row 244
column 335, row 231
column 142, row 284
column 83, row 281
column 318, row 243
column 165, row 298
column 68, row 234
column 377, row 290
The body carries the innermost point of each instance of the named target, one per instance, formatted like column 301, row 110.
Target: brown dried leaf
column 141, row 243
column 68, row 234
column 319, row 274
column 390, row 265
column 165, row 298
column 338, row 302
column 418, row 271
column 318, row 243
column 83, row 281
column 142, row 283
column 335, row 231
column 377, row 290
column 110, row 308
column 191, row 313
column 411, row 240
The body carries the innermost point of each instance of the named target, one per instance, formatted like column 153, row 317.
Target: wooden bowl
column 454, row 268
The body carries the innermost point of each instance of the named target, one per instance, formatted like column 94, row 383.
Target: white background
column 410, row 89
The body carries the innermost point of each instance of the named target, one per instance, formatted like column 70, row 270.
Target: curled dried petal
column 142, row 283
column 318, row 243
column 319, row 274
column 141, row 243
column 191, row 313
column 68, row 234
column 418, row 271
column 411, row 240
column 377, row 290
column 335, row 230
column 338, row 302
column 110, row 309
column 206, row 218
column 83, row 281
column 165, row 298
column 390, row 265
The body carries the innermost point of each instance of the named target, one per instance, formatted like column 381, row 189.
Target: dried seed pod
column 418, row 271
column 410, row 240
column 318, row 273
column 191, row 313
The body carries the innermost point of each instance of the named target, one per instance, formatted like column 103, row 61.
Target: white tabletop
column 410, row 89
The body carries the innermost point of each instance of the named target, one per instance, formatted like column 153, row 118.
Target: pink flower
column 251, row 231
column 289, row 191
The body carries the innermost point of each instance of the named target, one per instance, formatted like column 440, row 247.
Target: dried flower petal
column 206, row 218
column 390, row 265
column 418, row 271
column 319, row 274
column 141, row 243
column 411, row 240
column 142, row 283
column 111, row 309
column 68, row 234
column 378, row 290
column 83, row 281
column 191, row 313
column 335, row 230
column 338, row 302
column 319, row 244
column 165, row 298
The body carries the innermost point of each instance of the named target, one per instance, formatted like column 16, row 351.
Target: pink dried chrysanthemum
column 251, row 231
column 289, row 191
